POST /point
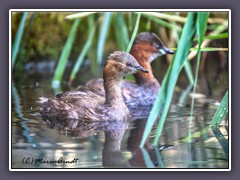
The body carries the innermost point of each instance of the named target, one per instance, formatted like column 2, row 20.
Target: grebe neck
column 112, row 86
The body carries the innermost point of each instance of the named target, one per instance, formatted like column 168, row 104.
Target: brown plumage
column 146, row 47
column 88, row 106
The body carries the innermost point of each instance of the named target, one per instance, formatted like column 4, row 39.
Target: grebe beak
column 140, row 68
column 166, row 50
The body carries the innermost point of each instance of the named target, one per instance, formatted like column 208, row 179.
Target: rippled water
column 113, row 145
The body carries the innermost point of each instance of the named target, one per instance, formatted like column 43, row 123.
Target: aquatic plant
column 117, row 27
column 16, row 44
column 64, row 56
column 164, row 97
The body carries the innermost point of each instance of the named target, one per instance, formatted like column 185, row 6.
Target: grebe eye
column 158, row 47
column 128, row 64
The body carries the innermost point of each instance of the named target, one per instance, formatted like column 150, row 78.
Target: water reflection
column 114, row 145
column 18, row 109
column 221, row 139
column 113, row 130
column 135, row 137
column 112, row 154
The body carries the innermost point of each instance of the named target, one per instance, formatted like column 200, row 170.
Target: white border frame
column 116, row 10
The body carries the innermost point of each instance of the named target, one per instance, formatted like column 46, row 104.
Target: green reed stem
column 19, row 63
column 79, row 15
column 158, row 157
column 221, row 139
column 188, row 70
column 162, row 23
column 18, row 38
column 221, row 112
column 57, row 78
column 130, row 76
column 165, row 94
column 130, row 21
column 103, row 35
column 201, row 27
column 187, row 65
column 184, row 95
column 148, row 25
column 83, row 53
column 147, row 158
column 217, row 36
column 134, row 32
column 121, row 31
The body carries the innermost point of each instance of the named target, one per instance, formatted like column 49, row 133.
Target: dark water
column 114, row 145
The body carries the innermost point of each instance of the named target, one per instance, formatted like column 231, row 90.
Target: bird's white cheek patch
column 162, row 51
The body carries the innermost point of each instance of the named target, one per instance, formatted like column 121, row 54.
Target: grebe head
column 150, row 45
column 123, row 62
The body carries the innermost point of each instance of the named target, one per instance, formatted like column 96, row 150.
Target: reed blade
column 103, row 35
column 79, row 15
column 221, row 112
column 57, row 78
column 22, row 50
column 147, row 158
column 217, row 36
column 84, row 51
column 188, row 70
column 221, row 139
column 134, row 32
column 207, row 49
column 162, row 23
column 165, row 94
column 159, row 158
column 18, row 38
column 130, row 76
column 184, row 95
column 121, row 32
column 201, row 26
column 219, row 29
column 130, row 21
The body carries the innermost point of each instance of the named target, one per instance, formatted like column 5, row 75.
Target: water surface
column 38, row 144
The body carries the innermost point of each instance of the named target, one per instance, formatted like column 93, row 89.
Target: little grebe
column 88, row 106
column 146, row 47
